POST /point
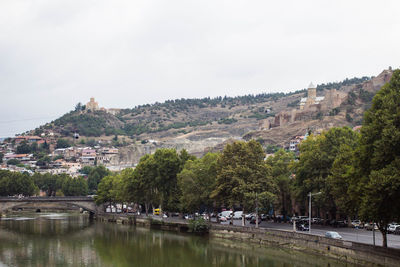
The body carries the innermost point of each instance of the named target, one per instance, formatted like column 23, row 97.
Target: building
column 88, row 157
column 92, row 105
column 294, row 143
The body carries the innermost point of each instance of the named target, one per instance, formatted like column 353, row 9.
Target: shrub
column 198, row 226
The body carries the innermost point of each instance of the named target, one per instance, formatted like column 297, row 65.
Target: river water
column 68, row 239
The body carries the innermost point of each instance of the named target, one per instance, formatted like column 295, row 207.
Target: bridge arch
column 86, row 203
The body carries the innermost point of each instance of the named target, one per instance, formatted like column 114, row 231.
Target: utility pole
column 256, row 210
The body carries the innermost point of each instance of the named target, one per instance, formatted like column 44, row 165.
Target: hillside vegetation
column 236, row 115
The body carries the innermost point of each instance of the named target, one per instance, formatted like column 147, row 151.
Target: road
column 349, row 234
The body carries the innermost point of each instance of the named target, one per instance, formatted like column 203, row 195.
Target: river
column 70, row 239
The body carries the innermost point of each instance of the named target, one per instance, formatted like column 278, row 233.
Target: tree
column 242, row 176
column 167, row 165
column 317, row 155
column 95, row 175
column 280, row 169
column 75, row 186
column 23, row 148
column 378, row 157
column 140, row 186
column 13, row 162
column 197, row 181
column 104, row 191
column 62, row 143
column 1, row 157
column 14, row 183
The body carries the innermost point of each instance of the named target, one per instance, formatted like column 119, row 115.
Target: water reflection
column 72, row 240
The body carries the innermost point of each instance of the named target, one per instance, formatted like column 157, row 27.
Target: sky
column 54, row 54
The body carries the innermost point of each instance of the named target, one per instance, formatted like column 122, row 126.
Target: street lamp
column 309, row 210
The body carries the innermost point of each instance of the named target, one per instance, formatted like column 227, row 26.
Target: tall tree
column 280, row 168
column 197, row 181
column 242, row 176
column 317, row 155
column 378, row 158
column 167, row 165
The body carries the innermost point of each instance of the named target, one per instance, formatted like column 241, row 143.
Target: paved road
column 350, row 234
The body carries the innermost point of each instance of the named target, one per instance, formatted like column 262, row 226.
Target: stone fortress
column 309, row 106
column 92, row 105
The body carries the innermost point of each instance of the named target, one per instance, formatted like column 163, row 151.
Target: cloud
column 54, row 54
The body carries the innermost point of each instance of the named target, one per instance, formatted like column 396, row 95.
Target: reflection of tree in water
column 27, row 243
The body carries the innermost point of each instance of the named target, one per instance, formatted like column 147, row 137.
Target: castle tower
column 92, row 105
column 312, row 91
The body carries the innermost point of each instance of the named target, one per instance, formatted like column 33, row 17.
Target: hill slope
column 201, row 124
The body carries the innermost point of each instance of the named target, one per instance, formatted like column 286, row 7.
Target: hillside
column 202, row 124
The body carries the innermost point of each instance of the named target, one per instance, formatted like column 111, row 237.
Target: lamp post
column 309, row 210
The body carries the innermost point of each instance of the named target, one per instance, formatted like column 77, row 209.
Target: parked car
column 264, row 217
column 223, row 219
column 392, row 227
column 370, row 226
column 248, row 216
column 302, row 227
column 226, row 213
column 237, row 215
column 334, row 235
column 253, row 220
column 397, row 230
column 357, row 224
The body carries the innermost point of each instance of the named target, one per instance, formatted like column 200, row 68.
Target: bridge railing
column 80, row 198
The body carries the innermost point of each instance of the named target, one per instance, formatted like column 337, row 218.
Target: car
column 223, row 219
column 302, row 227
column 248, row 216
column 253, row 220
column 370, row 226
column 264, row 217
column 334, row 235
column 397, row 230
column 356, row 224
column 226, row 213
column 392, row 227
column 237, row 215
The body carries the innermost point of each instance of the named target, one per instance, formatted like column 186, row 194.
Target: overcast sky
column 54, row 54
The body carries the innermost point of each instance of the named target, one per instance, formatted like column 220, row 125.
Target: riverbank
column 352, row 252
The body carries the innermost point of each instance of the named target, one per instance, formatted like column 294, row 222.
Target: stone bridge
column 86, row 203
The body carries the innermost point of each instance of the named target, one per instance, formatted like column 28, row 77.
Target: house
column 28, row 139
column 294, row 143
column 88, row 156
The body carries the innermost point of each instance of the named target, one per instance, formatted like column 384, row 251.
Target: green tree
column 242, row 176
column 14, row 183
column 1, row 157
column 13, row 162
column 23, row 148
column 280, row 168
column 197, row 181
column 74, row 186
column 379, row 155
column 94, row 177
column 104, row 191
column 167, row 165
column 62, row 143
column 141, row 186
column 317, row 155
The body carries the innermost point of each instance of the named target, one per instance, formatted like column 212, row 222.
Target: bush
column 198, row 226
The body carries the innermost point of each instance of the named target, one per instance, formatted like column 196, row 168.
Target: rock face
column 376, row 83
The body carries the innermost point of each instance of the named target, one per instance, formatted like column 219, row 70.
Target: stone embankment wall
column 353, row 252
